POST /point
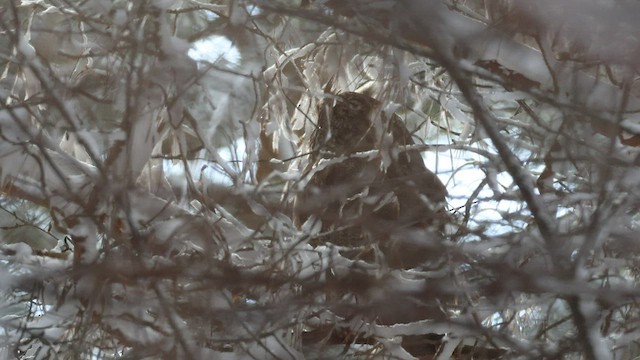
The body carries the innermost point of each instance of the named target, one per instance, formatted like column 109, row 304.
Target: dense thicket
column 151, row 153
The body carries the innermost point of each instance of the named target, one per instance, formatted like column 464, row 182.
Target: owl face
column 354, row 106
column 347, row 127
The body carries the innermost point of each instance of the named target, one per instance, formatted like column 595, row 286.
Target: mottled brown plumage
column 362, row 200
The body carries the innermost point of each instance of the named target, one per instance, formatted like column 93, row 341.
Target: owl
column 366, row 189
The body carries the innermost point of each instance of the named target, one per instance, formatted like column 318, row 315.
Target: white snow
column 214, row 48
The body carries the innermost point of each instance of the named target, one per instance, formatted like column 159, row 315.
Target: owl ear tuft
column 328, row 87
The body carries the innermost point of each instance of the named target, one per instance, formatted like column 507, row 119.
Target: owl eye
column 355, row 104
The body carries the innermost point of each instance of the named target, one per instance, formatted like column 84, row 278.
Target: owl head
column 345, row 124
